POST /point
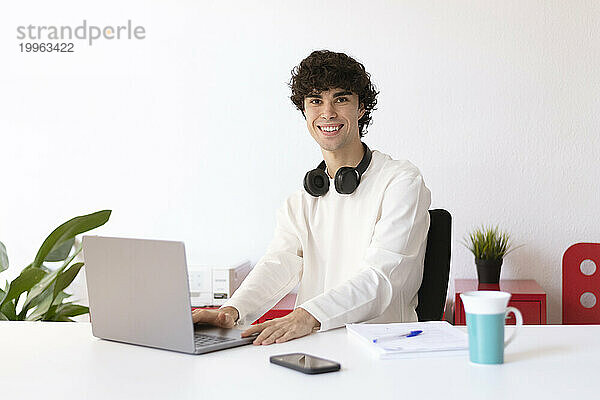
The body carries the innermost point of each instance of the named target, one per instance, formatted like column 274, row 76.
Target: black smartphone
column 305, row 363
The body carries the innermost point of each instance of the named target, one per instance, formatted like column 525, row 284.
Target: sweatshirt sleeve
column 276, row 273
column 391, row 272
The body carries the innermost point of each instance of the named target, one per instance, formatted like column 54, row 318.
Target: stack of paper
column 439, row 338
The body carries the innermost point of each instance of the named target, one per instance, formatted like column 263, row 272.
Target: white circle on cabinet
column 587, row 267
column 588, row 300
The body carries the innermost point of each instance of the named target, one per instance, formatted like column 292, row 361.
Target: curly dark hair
column 323, row 70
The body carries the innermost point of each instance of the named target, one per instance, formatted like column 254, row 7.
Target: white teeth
column 330, row 128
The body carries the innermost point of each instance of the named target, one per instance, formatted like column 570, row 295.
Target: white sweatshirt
column 357, row 257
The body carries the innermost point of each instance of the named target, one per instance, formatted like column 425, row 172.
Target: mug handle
column 519, row 318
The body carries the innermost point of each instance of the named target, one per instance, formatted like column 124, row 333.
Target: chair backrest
column 436, row 271
column 581, row 284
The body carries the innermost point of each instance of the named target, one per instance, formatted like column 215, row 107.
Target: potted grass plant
column 37, row 294
column 489, row 245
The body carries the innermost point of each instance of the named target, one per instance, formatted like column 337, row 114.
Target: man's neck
column 349, row 156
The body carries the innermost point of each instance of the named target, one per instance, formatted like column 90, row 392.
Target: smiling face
column 332, row 118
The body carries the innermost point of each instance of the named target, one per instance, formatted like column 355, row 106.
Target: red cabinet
column 527, row 296
column 281, row 309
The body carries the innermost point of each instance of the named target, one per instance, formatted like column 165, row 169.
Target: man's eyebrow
column 338, row 94
column 344, row 93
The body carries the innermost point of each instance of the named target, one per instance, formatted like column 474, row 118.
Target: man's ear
column 361, row 111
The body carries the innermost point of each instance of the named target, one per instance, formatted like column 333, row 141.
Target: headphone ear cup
column 316, row 182
column 346, row 180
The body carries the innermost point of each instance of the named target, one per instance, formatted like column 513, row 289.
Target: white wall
column 189, row 134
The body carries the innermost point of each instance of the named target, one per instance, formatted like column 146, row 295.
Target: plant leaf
column 61, row 251
column 41, row 308
column 3, row 317
column 65, row 278
column 488, row 243
column 23, row 283
column 72, row 257
column 60, row 297
column 71, row 310
column 46, row 288
column 40, row 288
column 69, row 230
column 9, row 310
column 46, row 283
column 3, row 293
column 50, row 314
column 3, row 258
column 36, row 301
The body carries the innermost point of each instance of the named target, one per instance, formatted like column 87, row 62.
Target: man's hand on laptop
column 223, row 318
column 296, row 324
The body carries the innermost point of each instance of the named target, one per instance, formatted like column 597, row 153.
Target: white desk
column 63, row 361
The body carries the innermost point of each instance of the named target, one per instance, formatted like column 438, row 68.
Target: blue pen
column 396, row 336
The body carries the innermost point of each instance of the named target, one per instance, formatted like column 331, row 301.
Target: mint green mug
column 486, row 312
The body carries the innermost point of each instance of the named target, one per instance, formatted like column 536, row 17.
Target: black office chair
column 433, row 290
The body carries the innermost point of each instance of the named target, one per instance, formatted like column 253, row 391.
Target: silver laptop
column 139, row 293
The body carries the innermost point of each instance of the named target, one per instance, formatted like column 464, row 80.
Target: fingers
column 213, row 317
column 274, row 332
column 279, row 330
column 200, row 315
column 255, row 329
column 287, row 336
column 274, row 336
column 224, row 320
column 266, row 333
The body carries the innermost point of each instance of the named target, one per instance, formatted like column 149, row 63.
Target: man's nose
column 328, row 111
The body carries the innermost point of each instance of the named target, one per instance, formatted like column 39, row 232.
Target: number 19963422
column 46, row 47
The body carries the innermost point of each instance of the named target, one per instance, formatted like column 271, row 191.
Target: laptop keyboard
column 201, row 339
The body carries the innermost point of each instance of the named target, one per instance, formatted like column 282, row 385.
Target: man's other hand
column 223, row 318
column 296, row 324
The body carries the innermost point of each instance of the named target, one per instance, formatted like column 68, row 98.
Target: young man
column 354, row 238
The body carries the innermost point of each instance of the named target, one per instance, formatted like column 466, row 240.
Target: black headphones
column 316, row 182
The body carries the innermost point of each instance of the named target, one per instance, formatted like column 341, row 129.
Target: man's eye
column 342, row 99
column 315, row 101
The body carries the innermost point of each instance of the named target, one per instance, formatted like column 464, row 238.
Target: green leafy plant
column 40, row 288
column 489, row 243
